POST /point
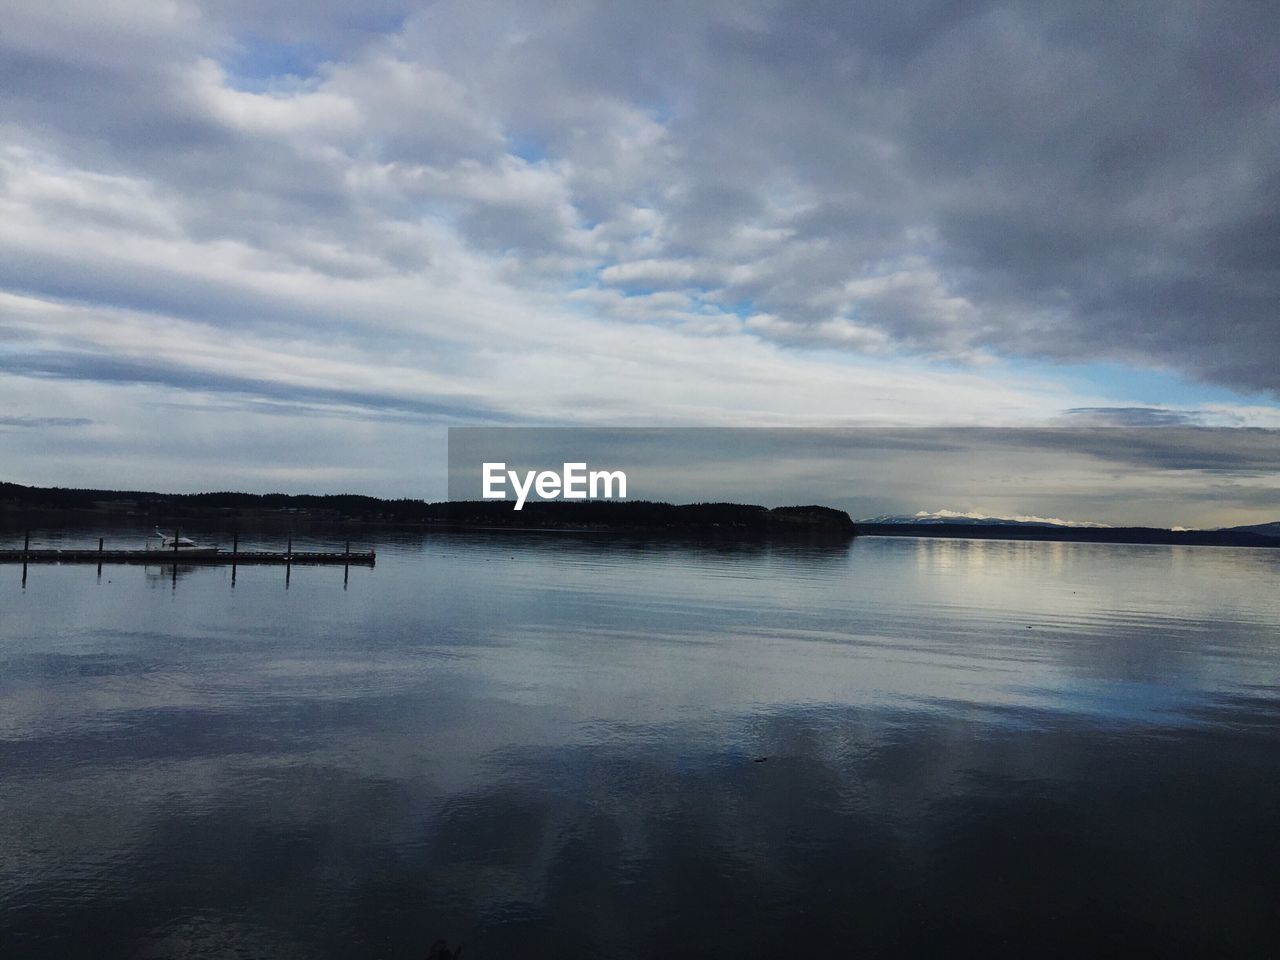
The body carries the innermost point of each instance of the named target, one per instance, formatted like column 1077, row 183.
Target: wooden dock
column 192, row 557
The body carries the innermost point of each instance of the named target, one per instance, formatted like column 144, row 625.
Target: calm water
column 548, row 748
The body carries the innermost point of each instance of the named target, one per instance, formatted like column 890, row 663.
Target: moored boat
column 184, row 546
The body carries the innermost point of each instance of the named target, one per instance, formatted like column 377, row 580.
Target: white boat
column 185, row 546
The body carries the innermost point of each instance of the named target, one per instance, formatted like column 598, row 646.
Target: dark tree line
column 490, row 513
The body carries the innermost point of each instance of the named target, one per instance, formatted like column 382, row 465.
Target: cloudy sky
column 284, row 246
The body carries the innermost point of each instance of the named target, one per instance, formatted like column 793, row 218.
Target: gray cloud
column 1079, row 183
column 75, row 366
column 26, row 420
column 1134, row 416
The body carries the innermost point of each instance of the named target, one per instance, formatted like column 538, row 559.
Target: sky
column 285, row 246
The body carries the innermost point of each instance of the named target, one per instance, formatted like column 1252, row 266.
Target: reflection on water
column 556, row 747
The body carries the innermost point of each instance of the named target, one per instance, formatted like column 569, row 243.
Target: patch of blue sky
column 260, row 63
column 662, row 111
column 742, row 308
column 1144, row 385
column 527, row 146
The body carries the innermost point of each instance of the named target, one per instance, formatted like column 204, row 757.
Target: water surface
column 550, row 747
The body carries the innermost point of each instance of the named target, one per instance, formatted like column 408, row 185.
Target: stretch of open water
column 556, row 747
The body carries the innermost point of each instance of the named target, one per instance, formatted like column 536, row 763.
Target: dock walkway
column 204, row 557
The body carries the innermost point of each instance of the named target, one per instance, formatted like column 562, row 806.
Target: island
column 57, row 505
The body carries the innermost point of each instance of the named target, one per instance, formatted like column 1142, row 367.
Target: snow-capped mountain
column 940, row 517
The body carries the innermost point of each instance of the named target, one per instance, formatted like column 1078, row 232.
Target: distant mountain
column 963, row 530
column 1264, row 529
column 952, row 517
